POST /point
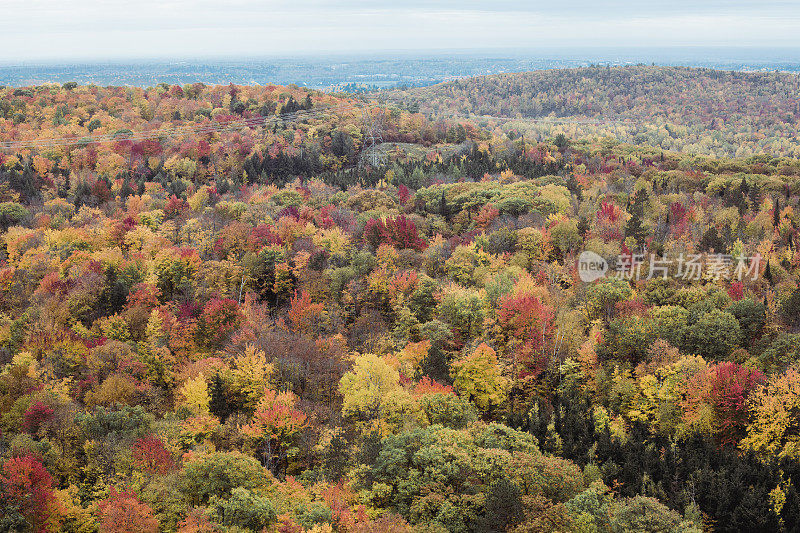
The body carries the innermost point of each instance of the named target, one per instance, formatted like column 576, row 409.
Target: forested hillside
column 698, row 111
column 228, row 318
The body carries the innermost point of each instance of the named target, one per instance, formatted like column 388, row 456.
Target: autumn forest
column 558, row 301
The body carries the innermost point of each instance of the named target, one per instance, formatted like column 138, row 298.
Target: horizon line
column 394, row 53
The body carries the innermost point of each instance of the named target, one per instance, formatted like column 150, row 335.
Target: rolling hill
column 698, row 111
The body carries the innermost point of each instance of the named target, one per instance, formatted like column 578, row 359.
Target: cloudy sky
column 86, row 29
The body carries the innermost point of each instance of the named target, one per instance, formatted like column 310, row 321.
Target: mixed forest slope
column 217, row 315
column 675, row 108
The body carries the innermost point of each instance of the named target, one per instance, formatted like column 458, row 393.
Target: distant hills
column 677, row 108
column 380, row 69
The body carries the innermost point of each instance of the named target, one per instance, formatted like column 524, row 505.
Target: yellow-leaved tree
column 478, row 376
column 775, row 414
column 373, row 396
column 195, row 395
column 250, row 375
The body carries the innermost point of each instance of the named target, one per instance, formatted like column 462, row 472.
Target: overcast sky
column 87, row 29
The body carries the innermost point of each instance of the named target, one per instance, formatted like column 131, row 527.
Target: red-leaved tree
column 403, row 194
column 36, row 415
column 175, row 206
column 220, row 318
column 524, row 318
column 152, row 457
column 736, row 291
column 123, row 512
column 27, row 491
column 527, row 324
column 399, row 232
column 731, row 385
column 303, row 312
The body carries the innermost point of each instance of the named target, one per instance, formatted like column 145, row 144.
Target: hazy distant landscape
column 385, row 70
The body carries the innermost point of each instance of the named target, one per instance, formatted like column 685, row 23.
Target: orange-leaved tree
column 275, row 423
